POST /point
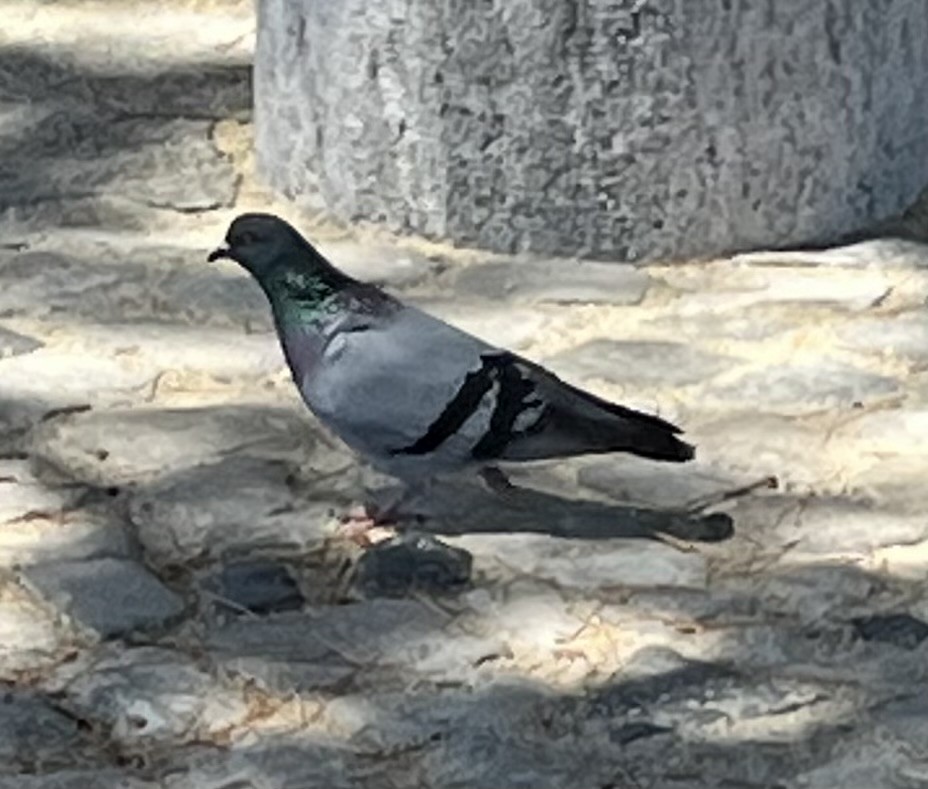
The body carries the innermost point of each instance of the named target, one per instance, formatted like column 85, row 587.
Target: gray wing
column 384, row 380
column 409, row 386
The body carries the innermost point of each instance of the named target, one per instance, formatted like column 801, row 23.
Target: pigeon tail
column 602, row 426
column 653, row 443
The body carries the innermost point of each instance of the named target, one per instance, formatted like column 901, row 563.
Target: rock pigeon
column 413, row 395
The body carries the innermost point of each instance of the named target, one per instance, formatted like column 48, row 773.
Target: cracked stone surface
column 122, row 445
column 177, row 607
column 148, row 695
column 31, row 637
column 643, row 363
column 13, row 344
column 34, row 733
column 904, row 336
column 233, row 506
column 87, row 591
column 412, row 562
column 808, row 386
column 258, row 587
column 589, row 565
column 559, row 282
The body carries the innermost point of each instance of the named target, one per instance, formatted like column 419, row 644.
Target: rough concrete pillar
column 620, row 129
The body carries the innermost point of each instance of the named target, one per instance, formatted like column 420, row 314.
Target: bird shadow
column 464, row 508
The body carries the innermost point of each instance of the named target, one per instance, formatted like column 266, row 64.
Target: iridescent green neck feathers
column 303, row 298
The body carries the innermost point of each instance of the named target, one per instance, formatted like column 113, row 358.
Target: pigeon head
column 258, row 242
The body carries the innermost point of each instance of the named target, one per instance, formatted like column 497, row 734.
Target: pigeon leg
column 363, row 528
column 366, row 525
column 371, row 523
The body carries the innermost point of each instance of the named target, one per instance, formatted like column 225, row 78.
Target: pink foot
column 366, row 528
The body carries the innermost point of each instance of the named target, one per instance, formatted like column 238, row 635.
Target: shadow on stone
column 750, row 718
column 466, row 509
column 668, row 722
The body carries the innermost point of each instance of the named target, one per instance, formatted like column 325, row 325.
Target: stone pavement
column 175, row 610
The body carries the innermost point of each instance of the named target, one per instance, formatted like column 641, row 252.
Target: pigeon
column 411, row 394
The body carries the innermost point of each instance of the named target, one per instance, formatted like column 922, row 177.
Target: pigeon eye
column 247, row 238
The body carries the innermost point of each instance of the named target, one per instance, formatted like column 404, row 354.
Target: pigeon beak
column 217, row 254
